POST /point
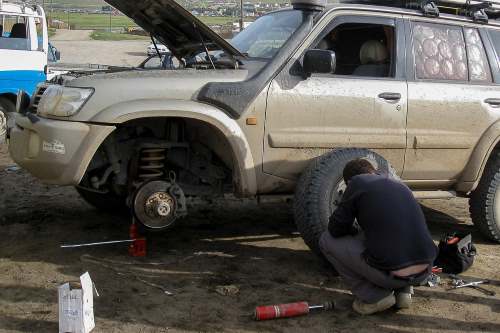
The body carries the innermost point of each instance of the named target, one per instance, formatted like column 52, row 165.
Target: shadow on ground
column 232, row 242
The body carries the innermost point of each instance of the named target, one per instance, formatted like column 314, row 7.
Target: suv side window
column 361, row 49
column 495, row 39
column 479, row 68
column 440, row 52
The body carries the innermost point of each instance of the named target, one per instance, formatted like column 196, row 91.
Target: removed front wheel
column 484, row 202
column 320, row 188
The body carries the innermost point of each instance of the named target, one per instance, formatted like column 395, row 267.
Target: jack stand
column 138, row 246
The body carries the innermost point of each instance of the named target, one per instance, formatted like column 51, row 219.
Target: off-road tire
column 106, row 202
column 314, row 192
column 485, row 198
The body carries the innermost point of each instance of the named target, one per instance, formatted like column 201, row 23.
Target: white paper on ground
column 76, row 307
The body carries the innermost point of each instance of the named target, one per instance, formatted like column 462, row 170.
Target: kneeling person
column 393, row 250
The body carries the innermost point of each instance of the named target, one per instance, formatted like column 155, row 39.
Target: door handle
column 492, row 101
column 390, row 96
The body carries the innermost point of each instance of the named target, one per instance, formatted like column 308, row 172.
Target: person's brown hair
column 356, row 167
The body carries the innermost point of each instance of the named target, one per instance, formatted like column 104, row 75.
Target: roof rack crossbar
column 477, row 10
column 429, row 8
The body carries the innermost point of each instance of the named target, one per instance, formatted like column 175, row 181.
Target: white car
column 161, row 48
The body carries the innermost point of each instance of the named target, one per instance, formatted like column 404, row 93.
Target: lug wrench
column 460, row 283
column 476, row 286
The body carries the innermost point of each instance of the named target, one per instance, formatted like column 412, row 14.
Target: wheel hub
column 160, row 204
column 157, row 204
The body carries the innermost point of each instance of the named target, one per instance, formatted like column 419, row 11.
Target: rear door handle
column 492, row 101
column 389, row 96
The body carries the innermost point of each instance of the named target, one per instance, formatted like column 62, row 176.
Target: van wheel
column 106, row 202
column 320, row 188
column 7, row 105
column 484, row 202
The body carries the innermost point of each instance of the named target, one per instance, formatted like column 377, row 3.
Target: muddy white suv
column 280, row 110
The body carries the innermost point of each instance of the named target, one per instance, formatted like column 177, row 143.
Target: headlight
column 62, row 101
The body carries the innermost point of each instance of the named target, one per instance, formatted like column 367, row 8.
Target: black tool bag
column 456, row 253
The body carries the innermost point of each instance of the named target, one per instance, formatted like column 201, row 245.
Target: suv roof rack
column 479, row 10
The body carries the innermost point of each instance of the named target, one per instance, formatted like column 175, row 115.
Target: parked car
column 280, row 110
column 151, row 50
column 166, row 61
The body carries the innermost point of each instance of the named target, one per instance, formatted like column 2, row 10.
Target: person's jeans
column 367, row 283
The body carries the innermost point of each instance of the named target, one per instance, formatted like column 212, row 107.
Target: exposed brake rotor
column 157, row 204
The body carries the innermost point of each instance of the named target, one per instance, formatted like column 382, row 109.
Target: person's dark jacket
column 391, row 219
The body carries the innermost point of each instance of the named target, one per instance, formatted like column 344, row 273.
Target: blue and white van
column 23, row 50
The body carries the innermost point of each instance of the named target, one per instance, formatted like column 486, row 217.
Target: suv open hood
column 173, row 25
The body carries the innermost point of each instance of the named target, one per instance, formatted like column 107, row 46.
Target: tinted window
column 440, row 52
column 479, row 68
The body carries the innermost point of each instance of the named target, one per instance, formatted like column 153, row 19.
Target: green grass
column 106, row 35
column 92, row 21
column 101, row 21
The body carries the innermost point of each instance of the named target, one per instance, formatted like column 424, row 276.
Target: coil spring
column 152, row 163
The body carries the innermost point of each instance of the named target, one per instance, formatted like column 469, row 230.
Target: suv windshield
column 264, row 37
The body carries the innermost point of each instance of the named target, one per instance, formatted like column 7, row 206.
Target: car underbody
column 185, row 157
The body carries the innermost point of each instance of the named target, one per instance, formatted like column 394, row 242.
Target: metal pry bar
column 97, row 243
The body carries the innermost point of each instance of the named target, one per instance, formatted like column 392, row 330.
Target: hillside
column 99, row 3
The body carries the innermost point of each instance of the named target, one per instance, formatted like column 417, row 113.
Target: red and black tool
column 289, row 310
column 138, row 246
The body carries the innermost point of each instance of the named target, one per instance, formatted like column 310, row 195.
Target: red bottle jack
column 138, row 247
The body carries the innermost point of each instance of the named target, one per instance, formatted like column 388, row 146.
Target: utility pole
column 241, row 15
column 110, row 20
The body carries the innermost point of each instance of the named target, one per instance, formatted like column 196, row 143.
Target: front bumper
column 55, row 151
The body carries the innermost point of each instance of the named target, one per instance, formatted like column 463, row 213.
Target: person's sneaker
column 403, row 297
column 369, row 308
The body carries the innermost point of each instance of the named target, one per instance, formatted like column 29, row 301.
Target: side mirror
column 58, row 55
column 319, row 61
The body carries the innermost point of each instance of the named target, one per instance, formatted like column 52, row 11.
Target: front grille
column 37, row 97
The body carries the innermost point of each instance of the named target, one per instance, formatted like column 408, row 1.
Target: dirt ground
column 226, row 242
column 77, row 48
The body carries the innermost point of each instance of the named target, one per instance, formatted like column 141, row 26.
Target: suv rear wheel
column 320, row 188
column 484, row 202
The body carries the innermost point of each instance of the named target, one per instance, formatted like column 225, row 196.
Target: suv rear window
column 479, row 68
column 440, row 52
column 445, row 52
column 495, row 38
